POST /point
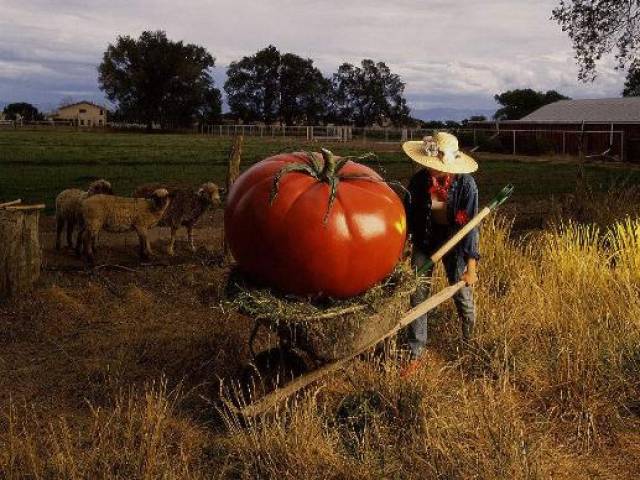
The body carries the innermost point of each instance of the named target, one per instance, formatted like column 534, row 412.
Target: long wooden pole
column 460, row 234
column 39, row 206
column 502, row 197
column 8, row 204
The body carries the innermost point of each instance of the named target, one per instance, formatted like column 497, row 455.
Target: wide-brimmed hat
column 440, row 152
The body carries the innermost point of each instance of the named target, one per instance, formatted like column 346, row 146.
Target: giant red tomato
column 314, row 225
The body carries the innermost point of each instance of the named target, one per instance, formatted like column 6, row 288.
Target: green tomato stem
column 329, row 168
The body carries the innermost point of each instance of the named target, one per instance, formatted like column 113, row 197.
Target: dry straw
column 329, row 328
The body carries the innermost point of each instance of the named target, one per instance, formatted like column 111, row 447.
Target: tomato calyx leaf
column 292, row 167
column 368, row 178
column 313, row 162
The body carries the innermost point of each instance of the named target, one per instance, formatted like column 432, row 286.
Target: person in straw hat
column 441, row 198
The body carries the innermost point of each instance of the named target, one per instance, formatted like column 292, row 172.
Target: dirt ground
column 121, row 248
column 84, row 335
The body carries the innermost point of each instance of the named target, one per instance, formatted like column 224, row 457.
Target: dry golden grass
column 550, row 387
column 140, row 436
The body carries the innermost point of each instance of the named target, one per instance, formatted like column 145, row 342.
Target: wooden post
column 233, row 172
column 20, row 255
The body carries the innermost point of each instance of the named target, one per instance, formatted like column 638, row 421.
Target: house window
column 101, row 112
column 81, row 122
column 100, row 122
column 83, row 110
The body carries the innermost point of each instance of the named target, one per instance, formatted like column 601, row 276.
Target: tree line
column 155, row 80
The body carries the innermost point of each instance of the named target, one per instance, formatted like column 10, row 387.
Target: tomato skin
column 288, row 245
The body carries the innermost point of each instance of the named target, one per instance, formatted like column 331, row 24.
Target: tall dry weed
column 567, row 330
column 141, row 436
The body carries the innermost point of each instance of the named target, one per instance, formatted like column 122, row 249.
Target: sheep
column 187, row 207
column 120, row 214
column 68, row 209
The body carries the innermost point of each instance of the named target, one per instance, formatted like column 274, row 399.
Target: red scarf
column 440, row 187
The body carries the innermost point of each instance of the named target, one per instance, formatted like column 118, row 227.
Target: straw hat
column 440, row 152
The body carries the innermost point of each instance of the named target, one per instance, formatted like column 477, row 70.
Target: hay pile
column 326, row 328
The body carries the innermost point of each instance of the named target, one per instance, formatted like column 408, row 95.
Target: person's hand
column 470, row 277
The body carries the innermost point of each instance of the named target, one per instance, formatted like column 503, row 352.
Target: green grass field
column 36, row 165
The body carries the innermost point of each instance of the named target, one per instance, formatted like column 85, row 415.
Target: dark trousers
column 455, row 266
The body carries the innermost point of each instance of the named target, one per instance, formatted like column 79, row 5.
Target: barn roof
column 605, row 110
column 83, row 102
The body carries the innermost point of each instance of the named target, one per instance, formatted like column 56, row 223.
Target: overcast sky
column 450, row 53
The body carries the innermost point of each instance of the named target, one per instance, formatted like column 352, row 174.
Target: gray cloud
column 450, row 54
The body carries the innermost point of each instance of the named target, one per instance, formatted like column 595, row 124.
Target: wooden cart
column 301, row 356
column 368, row 338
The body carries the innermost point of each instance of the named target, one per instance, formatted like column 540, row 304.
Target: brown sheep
column 120, row 214
column 68, row 209
column 187, row 207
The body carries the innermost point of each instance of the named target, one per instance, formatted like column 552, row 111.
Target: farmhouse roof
column 605, row 110
column 80, row 103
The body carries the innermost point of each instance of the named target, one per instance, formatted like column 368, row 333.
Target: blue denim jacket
column 463, row 196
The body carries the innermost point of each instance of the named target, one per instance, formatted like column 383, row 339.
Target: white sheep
column 187, row 207
column 68, row 208
column 120, row 214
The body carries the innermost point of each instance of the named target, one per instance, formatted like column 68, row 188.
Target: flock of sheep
column 98, row 209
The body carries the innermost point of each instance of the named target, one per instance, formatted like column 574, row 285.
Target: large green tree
column 253, row 86
column 632, row 83
column 155, row 80
column 369, row 94
column 305, row 92
column 599, row 27
column 27, row 112
column 270, row 86
column 521, row 102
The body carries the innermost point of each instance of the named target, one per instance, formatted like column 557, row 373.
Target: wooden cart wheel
column 271, row 369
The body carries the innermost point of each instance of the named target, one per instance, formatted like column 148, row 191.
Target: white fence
column 604, row 143
column 314, row 132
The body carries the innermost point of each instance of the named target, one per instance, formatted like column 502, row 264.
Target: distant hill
column 455, row 114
